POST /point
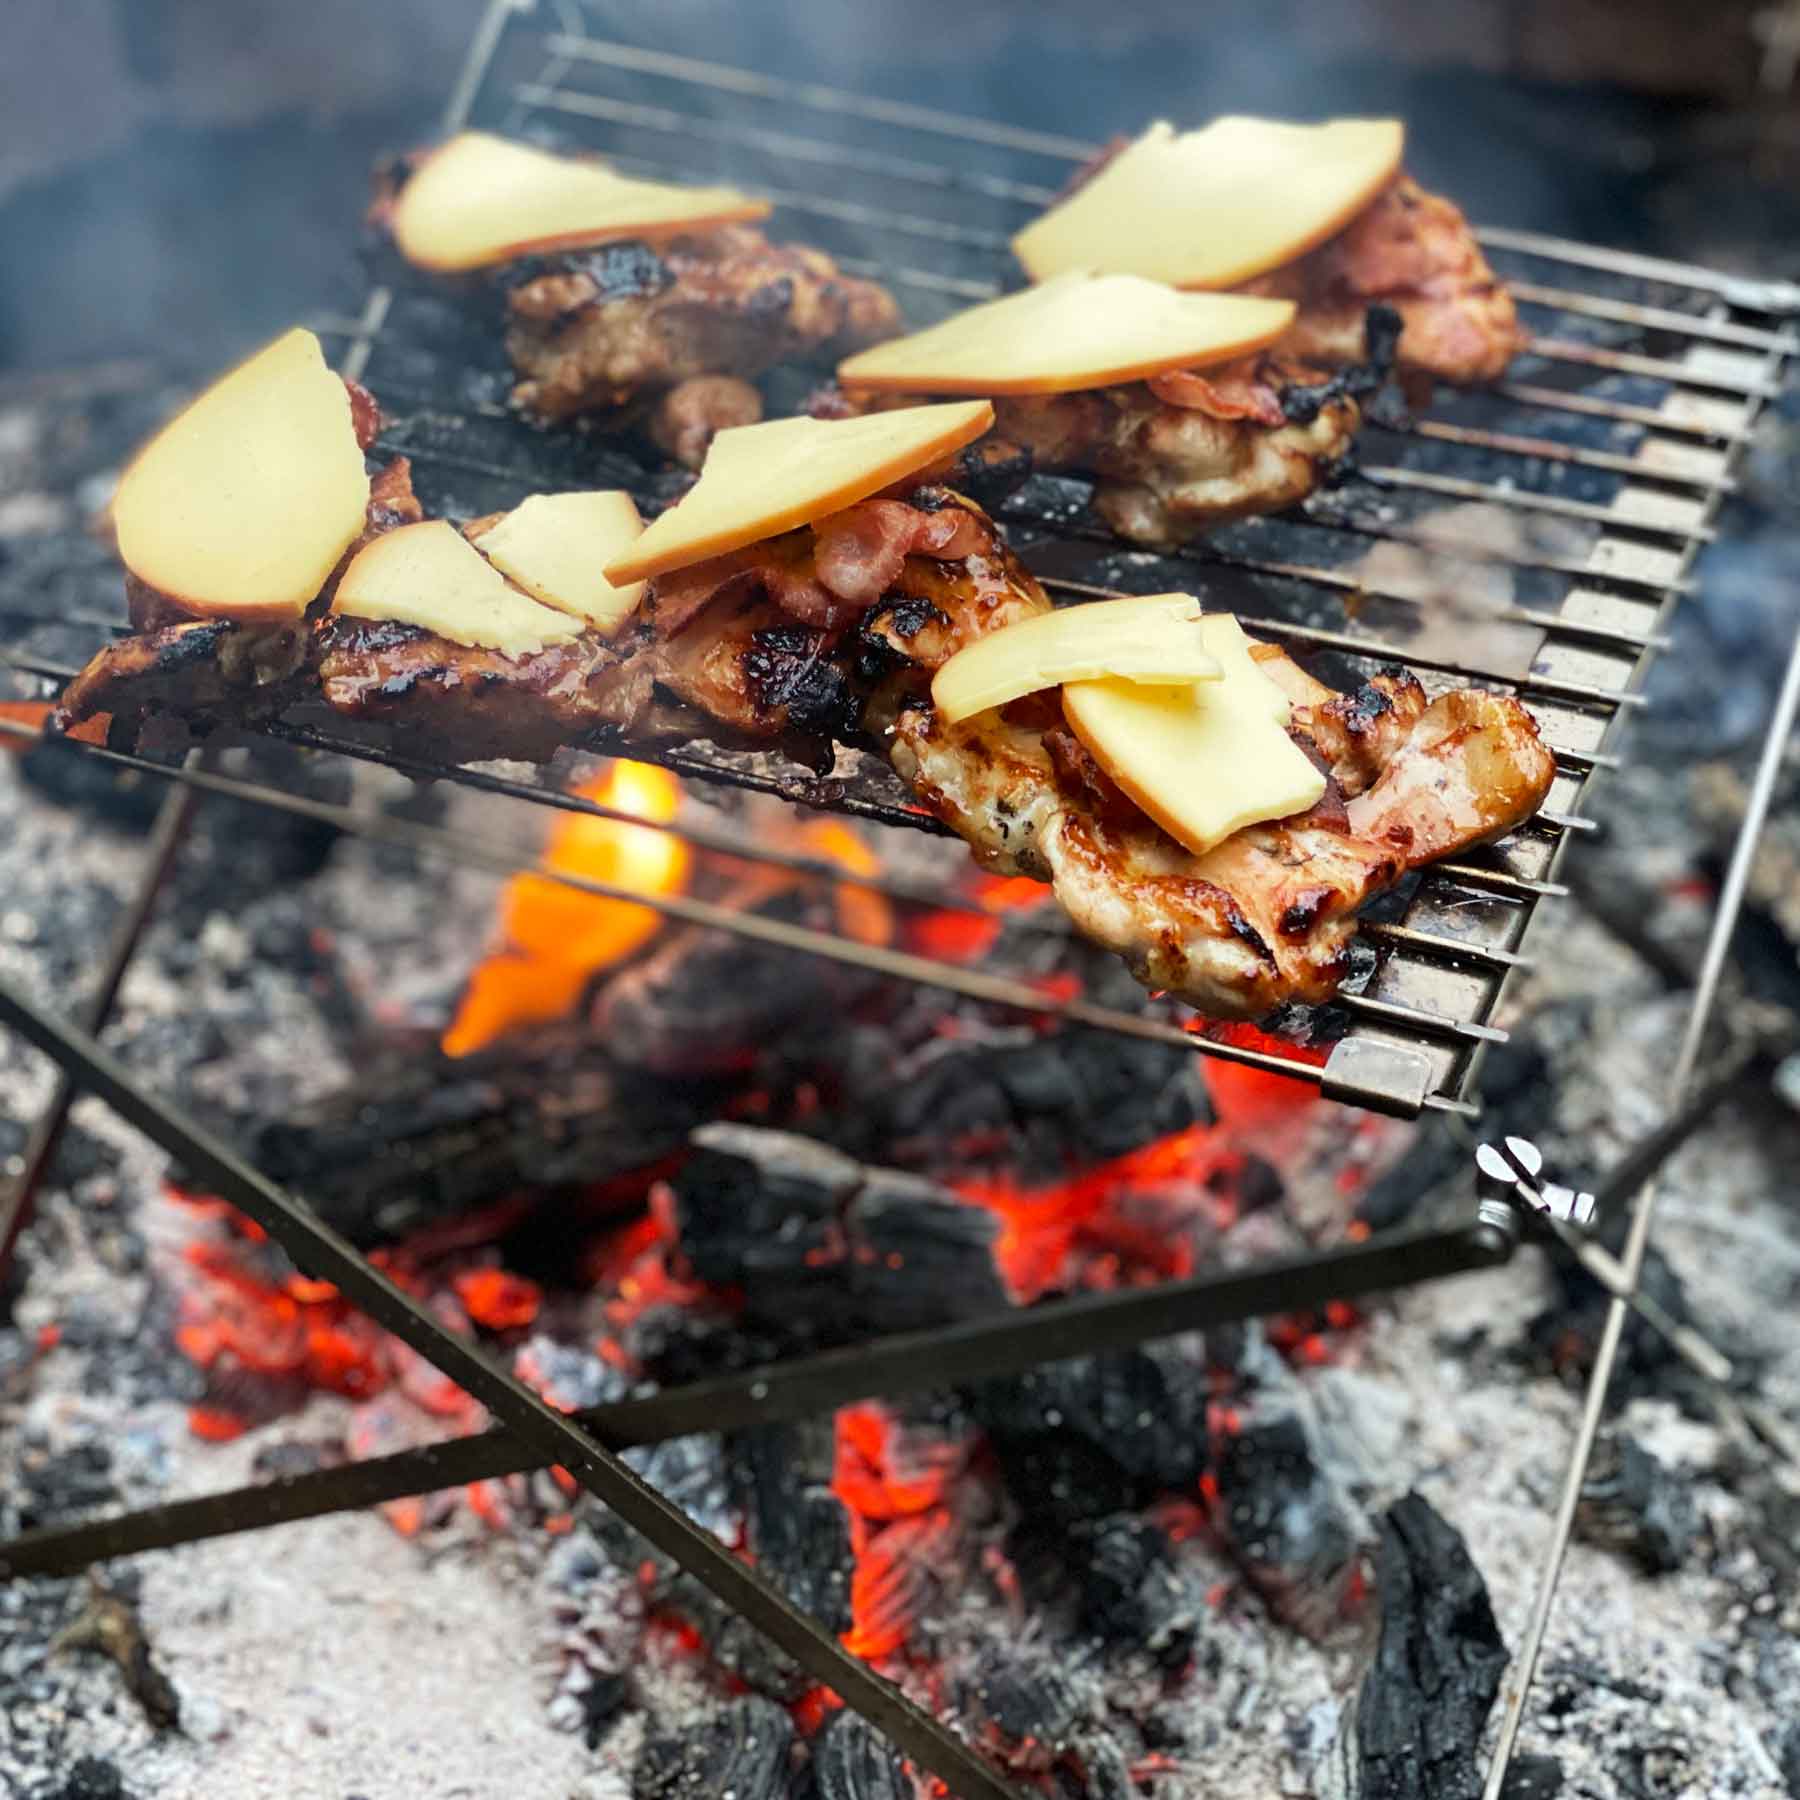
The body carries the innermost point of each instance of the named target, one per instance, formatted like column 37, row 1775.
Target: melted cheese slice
column 431, row 575
column 480, row 200
column 761, row 480
column 555, row 546
column 1202, row 761
column 1211, row 208
column 1154, row 639
column 242, row 504
column 1076, row 331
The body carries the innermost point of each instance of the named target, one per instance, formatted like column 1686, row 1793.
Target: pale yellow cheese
column 760, row 480
column 1202, row 761
column 555, row 546
column 242, row 504
column 431, row 575
column 480, row 199
column 1211, row 208
column 1078, row 330
column 1154, row 638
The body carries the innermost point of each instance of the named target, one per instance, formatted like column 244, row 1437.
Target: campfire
column 821, row 1333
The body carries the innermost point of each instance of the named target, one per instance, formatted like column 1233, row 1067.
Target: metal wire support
column 1637, row 1242
column 172, row 820
column 1006, row 1343
column 319, row 1251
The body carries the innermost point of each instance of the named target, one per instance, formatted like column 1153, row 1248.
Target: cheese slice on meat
column 1078, row 330
column 762, row 480
column 480, row 200
column 1202, row 761
column 555, row 546
column 1211, row 208
column 1154, row 638
column 430, row 575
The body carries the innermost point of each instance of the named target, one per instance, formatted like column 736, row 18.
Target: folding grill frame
column 924, row 201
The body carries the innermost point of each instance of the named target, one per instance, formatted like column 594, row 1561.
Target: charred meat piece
column 1414, row 252
column 1176, row 454
column 1266, row 917
column 608, row 329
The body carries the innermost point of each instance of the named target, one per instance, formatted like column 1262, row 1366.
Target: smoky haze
column 180, row 178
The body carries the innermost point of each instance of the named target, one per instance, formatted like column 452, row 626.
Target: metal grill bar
column 981, row 1349
column 319, row 1251
column 1653, row 318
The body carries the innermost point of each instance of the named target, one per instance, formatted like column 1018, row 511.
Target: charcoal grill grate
column 1612, row 447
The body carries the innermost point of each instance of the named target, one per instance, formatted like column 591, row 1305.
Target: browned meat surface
column 1266, row 917
column 1412, row 251
column 1181, row 453
column 443, row 699
column 1172, row 456
column 600, row 330
column 686, row 419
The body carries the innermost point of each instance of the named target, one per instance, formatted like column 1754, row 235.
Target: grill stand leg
column 1637, row 1242
column 172, row 821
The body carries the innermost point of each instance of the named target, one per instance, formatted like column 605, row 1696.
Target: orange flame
column 556, row 938
column 862, row 913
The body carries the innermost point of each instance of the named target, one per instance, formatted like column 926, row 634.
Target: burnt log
column 853, row 1761
column 1412, row 1729
column 826, row 1249
column 743, row 1750
column 421, row 1139
column 1636, row 1505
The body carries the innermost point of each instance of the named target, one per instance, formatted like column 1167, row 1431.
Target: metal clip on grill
column 1610, row 449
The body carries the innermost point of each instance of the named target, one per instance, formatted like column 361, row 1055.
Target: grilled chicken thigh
column 1414, row 252
column 682, row 328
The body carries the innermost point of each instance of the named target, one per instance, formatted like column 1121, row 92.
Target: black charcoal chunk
column 742, row 1751
column 1636, row 1505
column 853, row 1761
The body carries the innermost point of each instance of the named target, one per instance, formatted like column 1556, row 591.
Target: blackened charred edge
column 187, row 645
column 1246, row 933
column 1381, row 339
column 624, row 271
column 770, row 300
column 786, row 667
column 1305, row 912
column 906, row 615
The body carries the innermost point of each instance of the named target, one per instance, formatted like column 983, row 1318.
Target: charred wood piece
column 826, row 1248
column 1412, row 1729
column 744, row 1751
column 853, row 1761
column 1636, row 1505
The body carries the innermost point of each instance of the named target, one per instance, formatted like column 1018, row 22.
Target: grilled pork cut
column 831, row 633
column 1414, row 252
column 676, row 334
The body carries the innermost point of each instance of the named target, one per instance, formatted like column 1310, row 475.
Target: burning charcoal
column 826, row 1248
column 1411, row 1731
column 1097, row 1434
column 742, row 1751
column 78, row 1480
column 756, row 1206
column 1638, row 1506
column 697, row 1005
column 919, row 1255
column 1286, row 1522
column 794, row 1523
column 418, row 1140
column 1277, row 1492
column 1533, row 1778
column 1132, row 1598
column 92, row 1778
column 1029, row 1712
column 1045, row 1104
column 853, row 1761
column 1105, row 1774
